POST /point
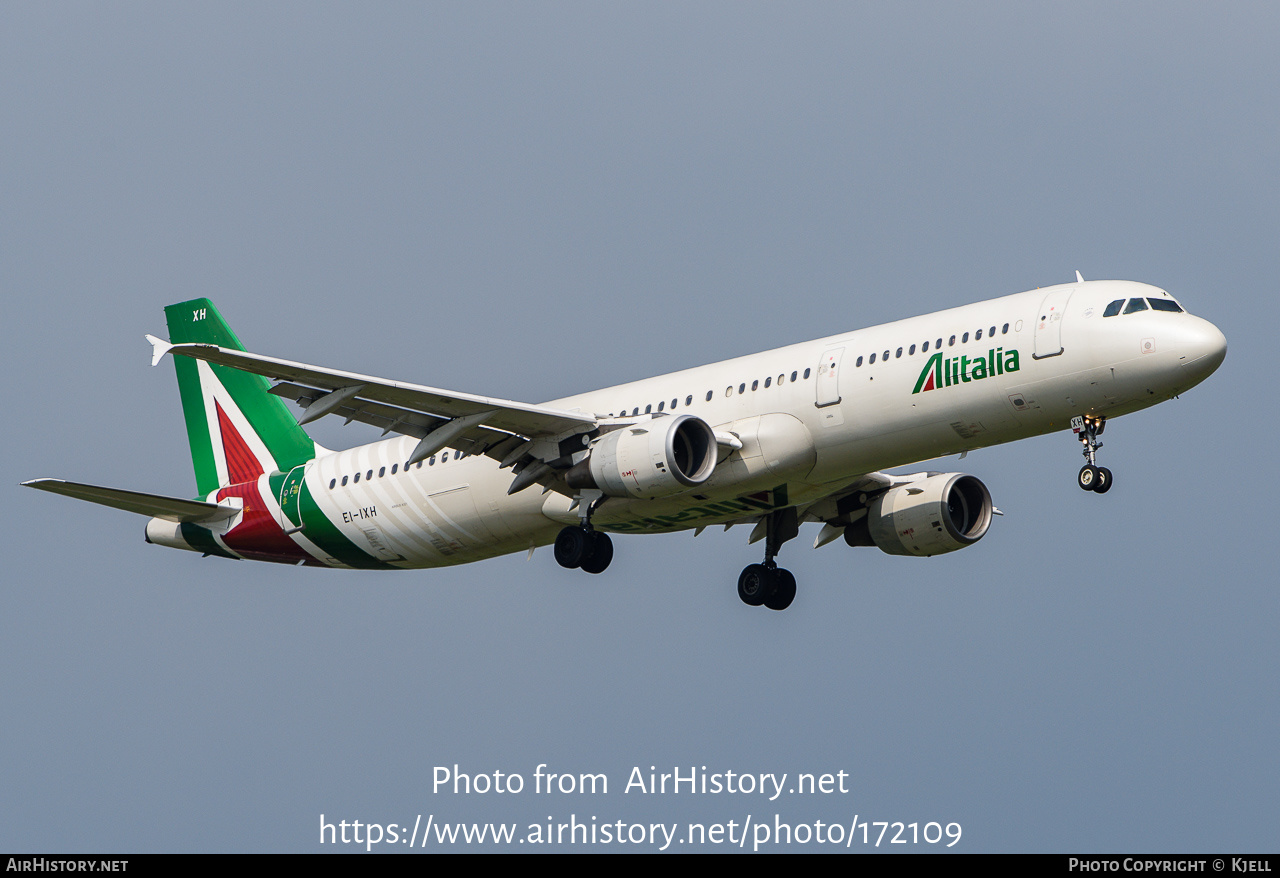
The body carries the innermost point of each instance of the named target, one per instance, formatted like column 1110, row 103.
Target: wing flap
column 532, row 421
column 154, row 505
column 388, row 418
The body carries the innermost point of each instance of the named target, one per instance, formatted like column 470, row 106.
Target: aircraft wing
column 155, row 505
column 448, row 417
column 388, row 418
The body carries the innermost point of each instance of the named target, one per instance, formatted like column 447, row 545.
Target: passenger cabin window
column 1112, row 310
column 951, row 341
column 899, row 354
column 859, row 361
column 793, row 374
column 873, row 359
column 964, row 339
column 689, row 399
column 924, row 348
column 806, row 374
column 1135, row 305
column 1005, row 329
column 1165, row 305
column 709, row 395
column 977, row 336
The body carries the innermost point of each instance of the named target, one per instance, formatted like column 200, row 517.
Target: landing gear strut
column 768, row 584
column 1092, row 477
column 584, row 546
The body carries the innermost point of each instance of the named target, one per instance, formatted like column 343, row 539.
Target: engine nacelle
column 940, row 513
column 656, row 458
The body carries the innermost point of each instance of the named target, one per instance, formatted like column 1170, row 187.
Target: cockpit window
column 1165, row 305
column 1136, row 305
column 1114, row 308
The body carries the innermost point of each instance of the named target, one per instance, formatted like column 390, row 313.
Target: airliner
column 800, row 434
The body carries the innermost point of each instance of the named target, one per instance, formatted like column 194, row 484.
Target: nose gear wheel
column 1092, row 477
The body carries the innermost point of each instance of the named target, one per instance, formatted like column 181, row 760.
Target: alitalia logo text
column 942, row 371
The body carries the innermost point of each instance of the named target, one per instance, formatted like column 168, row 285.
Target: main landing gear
column 582, row 545
column 768, row 584
column 1092, row 477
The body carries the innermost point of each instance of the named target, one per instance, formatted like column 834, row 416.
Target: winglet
column 1079, row 278
column 159, row 347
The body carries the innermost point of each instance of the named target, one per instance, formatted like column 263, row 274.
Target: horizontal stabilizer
column 155, row 505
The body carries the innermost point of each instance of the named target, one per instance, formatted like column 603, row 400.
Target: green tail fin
column 237, row 429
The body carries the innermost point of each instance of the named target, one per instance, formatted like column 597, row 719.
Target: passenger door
column 1048, row 334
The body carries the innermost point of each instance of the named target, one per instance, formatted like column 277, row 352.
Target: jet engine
column 940, row 513
column 656, row 458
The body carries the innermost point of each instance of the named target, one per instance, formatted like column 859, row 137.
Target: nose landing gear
column 1092, row 477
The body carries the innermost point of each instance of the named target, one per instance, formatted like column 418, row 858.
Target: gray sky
column 531, row 200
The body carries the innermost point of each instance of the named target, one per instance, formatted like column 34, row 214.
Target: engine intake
column 940, row 513
column 657, row 458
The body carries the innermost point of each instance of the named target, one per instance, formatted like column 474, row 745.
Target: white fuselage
column 811, row 417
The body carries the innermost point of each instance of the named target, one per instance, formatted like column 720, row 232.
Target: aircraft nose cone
column 1203, row 349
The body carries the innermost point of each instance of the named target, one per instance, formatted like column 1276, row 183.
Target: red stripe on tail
column 258, row 536
column 242, row 463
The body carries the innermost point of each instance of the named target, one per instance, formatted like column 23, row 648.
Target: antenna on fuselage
column 1079, row 279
